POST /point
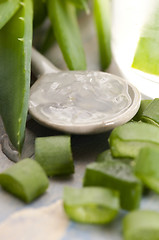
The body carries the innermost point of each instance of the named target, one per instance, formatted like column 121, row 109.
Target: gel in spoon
column 80, row 102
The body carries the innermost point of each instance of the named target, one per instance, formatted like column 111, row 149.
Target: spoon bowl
column 80, row 102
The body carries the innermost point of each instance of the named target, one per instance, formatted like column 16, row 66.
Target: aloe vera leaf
column 102, row 20
column 7, row 10
column 40, row 12
column 143, row 105
column 64, row 21
column 15, row 58
column 48, row 41
column 146, row 57
column 81, row 4
column 151, row 113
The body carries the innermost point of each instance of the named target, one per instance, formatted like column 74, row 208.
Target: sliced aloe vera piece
column 146, row 56
column 7, row 10
column 147, row 167
column 25, row 179
column 118, row 176
column 15, row 58
column 64, row 21
column 54, row 155
column 141, row 225
column 106, row 155
column 151, row 113
column 143, row 105
column 91, row 204
column 102, row 19
column 128, row 139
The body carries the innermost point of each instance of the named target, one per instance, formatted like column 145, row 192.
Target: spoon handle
column 41, row 65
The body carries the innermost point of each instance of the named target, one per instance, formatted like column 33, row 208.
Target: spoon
column 80, row 102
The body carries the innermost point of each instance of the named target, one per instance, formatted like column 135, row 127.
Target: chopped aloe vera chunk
column 102, row 18
column 151, row 113
column 143, row 105
column 146, row 56
column 106, row 155
column 7, row 10
column 147, row 167
column 63, row 17
column 118, row 176
column 54, row 155
column 25, row 179
column 15, row 59
column 91, row 204
column 141, row 225
column 128, row 139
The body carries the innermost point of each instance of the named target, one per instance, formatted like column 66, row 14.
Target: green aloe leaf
column 40, row 12
column 64, row 21
column 81, row 4
column 15, row 58
column 102, row 18
column 7, row 10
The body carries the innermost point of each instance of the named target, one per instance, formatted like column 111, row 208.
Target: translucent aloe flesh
column 94, row 205
column 146, row 56
column 102, row 19
column 15, row 57
column 7, row 10
column 63, row 17
column 128, row 139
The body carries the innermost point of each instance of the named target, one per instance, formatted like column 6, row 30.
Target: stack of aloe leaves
column 18, row 20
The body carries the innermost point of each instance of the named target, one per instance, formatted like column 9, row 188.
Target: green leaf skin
column 146, row 56
column 118, row 176
column 64, row 21
column 143, row 105
column 81, row 4
column 40, row 12
column 147, row 167
column 15, row 58
column 151, row 113
column 106, row 156
column 141, row 225
column 25, row 179
column 54, row 155
column 7, row 10
column 102, row 19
